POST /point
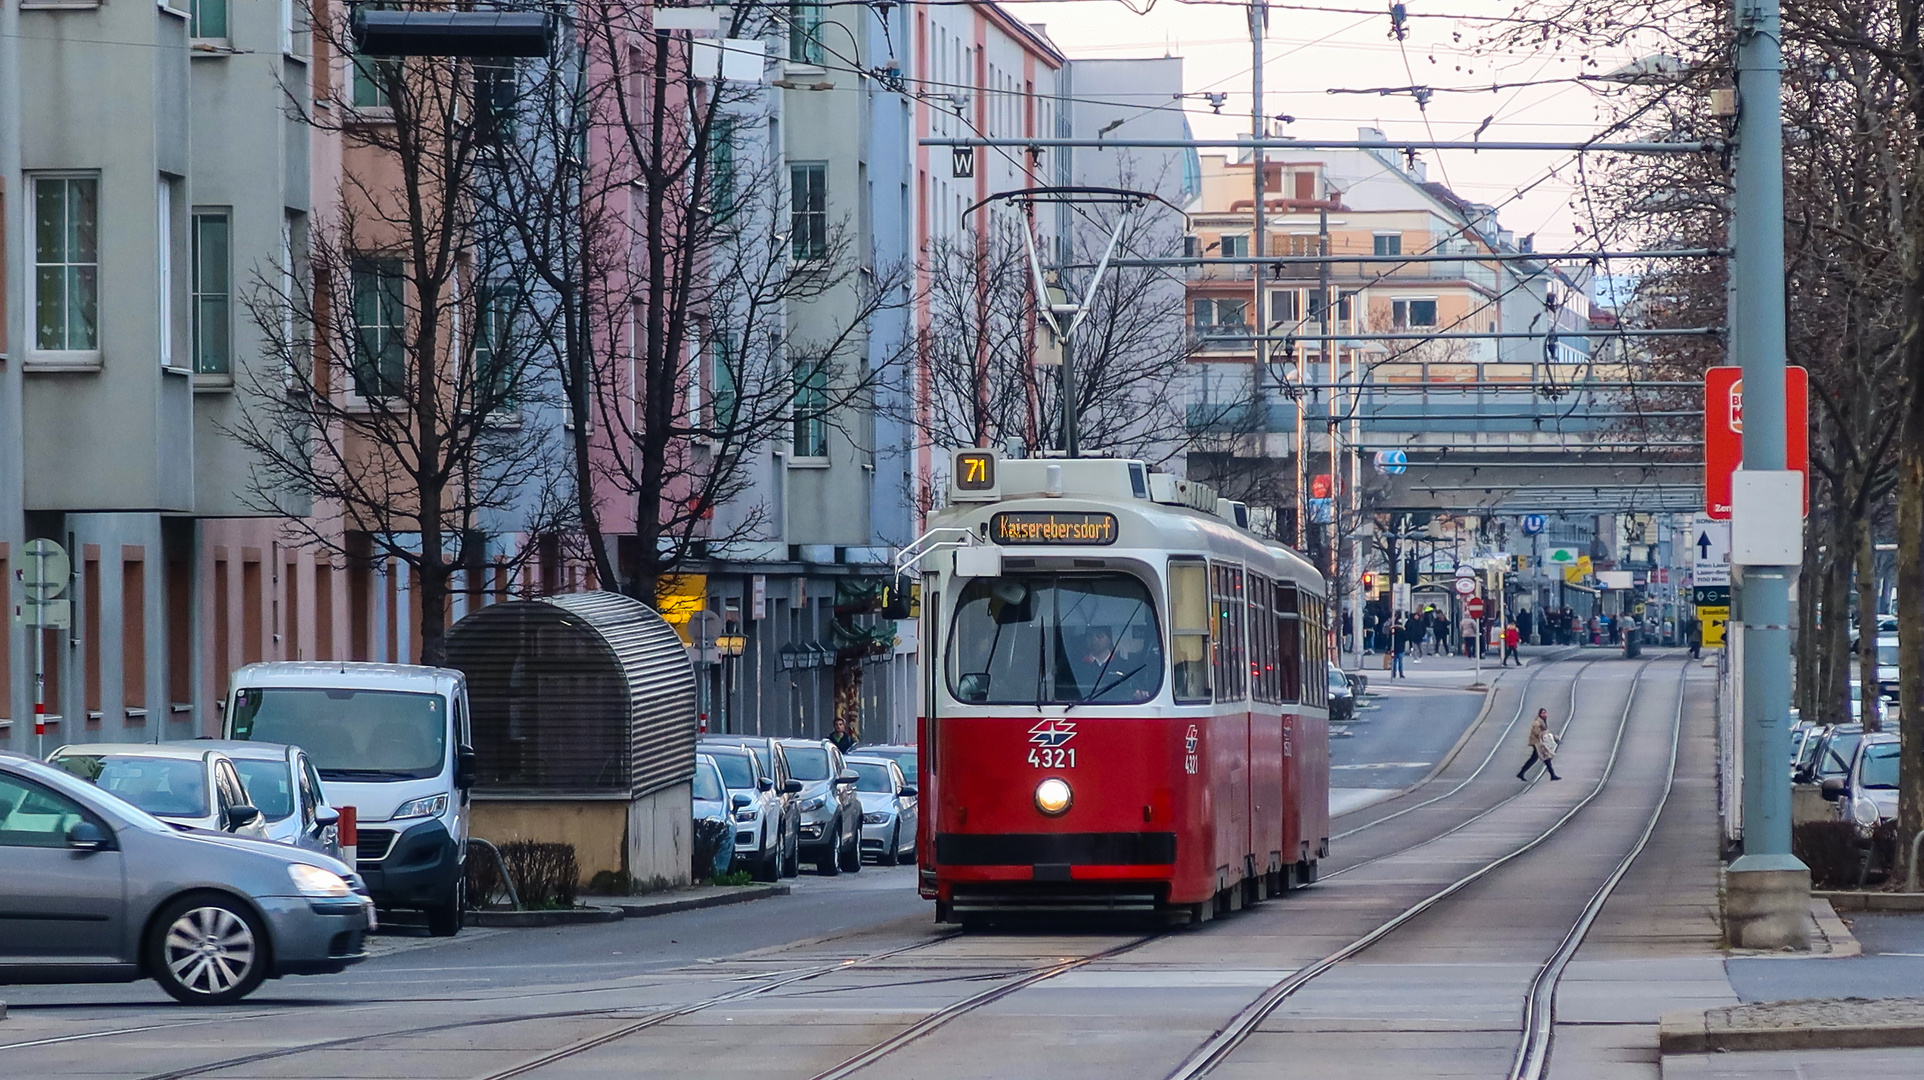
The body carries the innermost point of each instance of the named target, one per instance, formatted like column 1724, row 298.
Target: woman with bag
column 1543, row 746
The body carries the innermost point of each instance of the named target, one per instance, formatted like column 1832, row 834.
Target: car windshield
column 1880, row 766
column 807, row 762
column 1887, row 654
column 269, row 787
column 736, row 771
column 1038, row 639
column 164, row 787
column 707, row 782
column 872, row 777
column 350, row 734
column 1338, row 683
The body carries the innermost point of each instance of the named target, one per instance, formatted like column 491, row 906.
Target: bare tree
column 389, row 410
column 657, row 225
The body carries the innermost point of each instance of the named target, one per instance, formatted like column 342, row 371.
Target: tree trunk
column 1833, row 701
column 434, row 589
column 1910, row 626
column 1867, row 625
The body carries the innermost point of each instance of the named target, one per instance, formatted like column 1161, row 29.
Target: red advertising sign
column 1474, row 606
column 1319, row 486
column 1724, row 432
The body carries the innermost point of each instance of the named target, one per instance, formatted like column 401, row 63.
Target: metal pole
column 40, row 661
column 1259, row 161
column 1071, row 445
column 1758, row 269
column 1389, row 146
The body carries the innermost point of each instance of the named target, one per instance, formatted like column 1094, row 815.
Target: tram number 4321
column 1052, row 758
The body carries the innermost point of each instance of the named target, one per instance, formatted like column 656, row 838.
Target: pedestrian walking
column 1511, row 636
column 1543, row 746
column 1694, row 637
column 1469, row 629
column 1399, row 643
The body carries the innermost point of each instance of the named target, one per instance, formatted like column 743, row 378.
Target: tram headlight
column 1052, row 796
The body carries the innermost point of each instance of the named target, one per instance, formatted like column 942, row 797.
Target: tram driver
column 1115, row 672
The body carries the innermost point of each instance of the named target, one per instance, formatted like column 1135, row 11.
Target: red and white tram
column 1124, row 694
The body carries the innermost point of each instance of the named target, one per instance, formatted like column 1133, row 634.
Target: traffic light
column 1369, row 582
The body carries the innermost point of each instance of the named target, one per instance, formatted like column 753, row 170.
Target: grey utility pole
column 1767, row 895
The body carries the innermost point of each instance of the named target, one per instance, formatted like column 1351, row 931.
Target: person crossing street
column 1543, row 746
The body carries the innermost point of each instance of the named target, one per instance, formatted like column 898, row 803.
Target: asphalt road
column 1398, row 736
column 1891, row 966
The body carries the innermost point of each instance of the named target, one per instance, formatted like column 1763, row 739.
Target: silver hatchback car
column 98, row 890
column 284, row 786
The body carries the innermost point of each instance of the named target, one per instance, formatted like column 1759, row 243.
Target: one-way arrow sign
column 1711, row 549
column 1703, row 547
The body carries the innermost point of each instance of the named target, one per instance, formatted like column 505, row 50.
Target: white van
column 392, row 741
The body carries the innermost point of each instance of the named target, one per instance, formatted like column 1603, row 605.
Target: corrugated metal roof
column 583, row 692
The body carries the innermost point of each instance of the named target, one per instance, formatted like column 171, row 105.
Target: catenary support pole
column 1766, row 899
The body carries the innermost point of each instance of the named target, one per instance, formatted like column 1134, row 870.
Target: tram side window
column 1189, row 630
column 1262, row 640
column 1315, row 653
column 1232, row 663
column 1289, row 646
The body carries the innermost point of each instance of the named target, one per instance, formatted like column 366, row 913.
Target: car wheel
column 829, row 862
column 207, row 949
column 445, row 919
column 851, row 856
column 792, row 862
column 891, row 851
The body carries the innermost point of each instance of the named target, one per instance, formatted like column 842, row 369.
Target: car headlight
column 877, row 818
column 426, row 806
column 811, row 805
column 316, row 882
column 1052, row 796
column 746, row 813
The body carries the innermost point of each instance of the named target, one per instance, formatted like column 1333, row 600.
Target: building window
column 1413, row 312
column 371, row 77
column 208, row 19
column 213, row 295
column 164, row 275
column 1221, row 315
column 1233, row 246
column 1284, row 306
column 808, row 217
column 1389, row 243
column 727, row 394
column 721, row 169
column 494, row 342
column 66, row 214
column 1317, row 303
column 811, row 408
column 379, row 321
column 805, row 33
column 497, row 87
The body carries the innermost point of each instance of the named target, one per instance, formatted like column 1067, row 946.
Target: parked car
column 1342, row 701
column 98, row 890
column 285, row 787
column 1867, row 794
column 831, row 814
column 765, row 838
column 889, row 809
column 1832, row 757
column 905, row 755
column 1887, row 660
column 185, row 784
column 1803, row 745
column 714, row 820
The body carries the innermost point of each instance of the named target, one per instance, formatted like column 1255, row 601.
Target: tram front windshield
column 1044, row 639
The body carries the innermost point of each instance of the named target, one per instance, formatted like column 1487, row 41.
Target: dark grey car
column 831, row 810
column 98, row 890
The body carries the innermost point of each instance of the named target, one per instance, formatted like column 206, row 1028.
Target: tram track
column 1538, row 1028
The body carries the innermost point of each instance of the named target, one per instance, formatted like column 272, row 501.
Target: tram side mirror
column 973, row 688
column 1833, row 789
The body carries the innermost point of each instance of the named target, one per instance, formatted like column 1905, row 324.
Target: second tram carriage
column 1124, row 696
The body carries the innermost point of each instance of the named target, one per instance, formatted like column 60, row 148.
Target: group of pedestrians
column 1430, row 628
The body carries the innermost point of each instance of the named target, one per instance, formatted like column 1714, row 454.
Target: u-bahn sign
column 1724, row 432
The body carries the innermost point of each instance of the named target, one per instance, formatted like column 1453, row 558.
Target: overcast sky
column 1308, row 53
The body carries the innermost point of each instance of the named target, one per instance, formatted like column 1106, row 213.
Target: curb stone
column 523, row 919
column 1836, row 1024
column 1853, row 900
column 668, row 904
column 1842, row 941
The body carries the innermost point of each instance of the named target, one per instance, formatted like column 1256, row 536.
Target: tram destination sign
column 1051, row 527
